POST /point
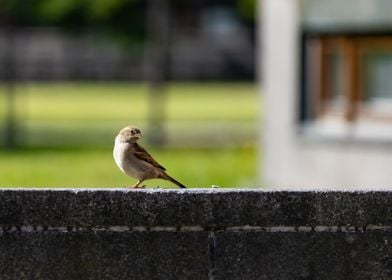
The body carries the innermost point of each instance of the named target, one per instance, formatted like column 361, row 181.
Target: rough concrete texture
column 195, row 234
column 210, row 208
column 104, row 255
column 304, row 255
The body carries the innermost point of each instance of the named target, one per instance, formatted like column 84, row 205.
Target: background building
column 327, row 93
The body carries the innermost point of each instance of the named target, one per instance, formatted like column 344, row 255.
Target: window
column 349, row 76
column 347, row 85
column 346, row 68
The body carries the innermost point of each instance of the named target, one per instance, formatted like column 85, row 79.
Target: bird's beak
column 138, row 136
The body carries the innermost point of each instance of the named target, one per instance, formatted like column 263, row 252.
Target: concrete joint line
column 211, row 252
column 245, row 228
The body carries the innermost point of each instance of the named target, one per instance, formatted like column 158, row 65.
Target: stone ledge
column 195, row 234
column 195, row 208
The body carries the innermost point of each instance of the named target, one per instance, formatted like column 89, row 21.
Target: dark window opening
column 346, row 76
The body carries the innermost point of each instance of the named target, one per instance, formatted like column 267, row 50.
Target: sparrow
column 135, row 161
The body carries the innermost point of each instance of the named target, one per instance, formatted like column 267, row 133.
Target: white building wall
column 291, row 159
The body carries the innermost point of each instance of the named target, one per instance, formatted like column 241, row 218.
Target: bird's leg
column 137, row 185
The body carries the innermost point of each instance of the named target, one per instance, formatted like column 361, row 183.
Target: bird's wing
column 142, row 154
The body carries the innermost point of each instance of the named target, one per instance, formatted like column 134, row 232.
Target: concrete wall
column 305, row 157
column 195, row 234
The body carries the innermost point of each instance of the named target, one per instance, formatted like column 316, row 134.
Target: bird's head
column 129, row 134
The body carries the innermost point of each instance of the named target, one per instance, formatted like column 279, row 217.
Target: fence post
column 157, row 60
column 9, row 63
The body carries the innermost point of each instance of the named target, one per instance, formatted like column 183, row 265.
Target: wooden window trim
column 352, row 49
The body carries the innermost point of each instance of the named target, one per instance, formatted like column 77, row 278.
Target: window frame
column 352, row 44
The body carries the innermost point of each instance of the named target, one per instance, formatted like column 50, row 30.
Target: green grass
column 96, row 168
column 66, row 131
column 85, row 114
column 94, row 102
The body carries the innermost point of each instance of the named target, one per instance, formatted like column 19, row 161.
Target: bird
column 135, row 161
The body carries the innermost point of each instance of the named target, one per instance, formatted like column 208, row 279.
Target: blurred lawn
column 105, row 102
column 67, row 133
column 95, row 168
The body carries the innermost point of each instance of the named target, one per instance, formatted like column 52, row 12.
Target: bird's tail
column 167, row 177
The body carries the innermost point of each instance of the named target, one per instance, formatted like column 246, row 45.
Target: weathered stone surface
column 303, row 255
column 301, row 208
column 87, row 208
column 103, row 255
column 210, row 208
column 195, row 234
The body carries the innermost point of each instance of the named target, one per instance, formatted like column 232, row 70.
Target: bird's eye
column 133, row 132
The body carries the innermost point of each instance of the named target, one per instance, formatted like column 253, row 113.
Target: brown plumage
column 135, row 161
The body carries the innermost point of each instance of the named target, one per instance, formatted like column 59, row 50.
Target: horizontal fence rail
column 195, row 234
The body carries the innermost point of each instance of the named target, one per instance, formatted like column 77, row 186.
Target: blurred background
column 74, row 72
column 327, row 93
